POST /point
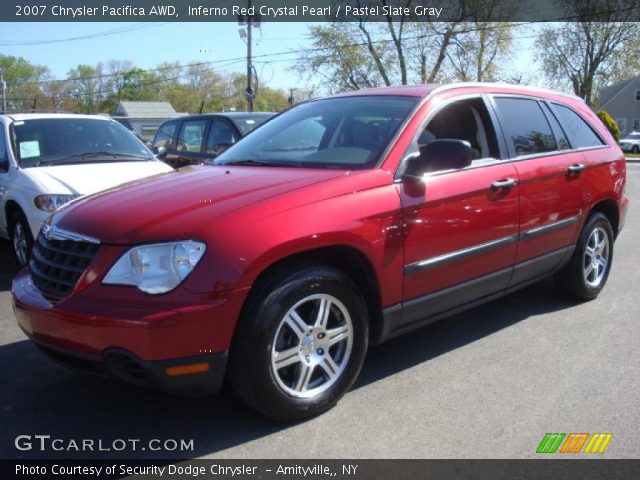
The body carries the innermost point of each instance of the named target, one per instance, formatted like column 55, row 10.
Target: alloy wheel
column 312, row 346
column 596, row 257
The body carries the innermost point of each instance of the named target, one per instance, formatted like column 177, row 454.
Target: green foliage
column 610, row 123
column 99, row 88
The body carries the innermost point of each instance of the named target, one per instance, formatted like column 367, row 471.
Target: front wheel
column 21, row 238
column 586, row 273
column 300, row 344
column 635, row 149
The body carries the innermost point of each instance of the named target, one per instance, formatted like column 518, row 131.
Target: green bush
column 610, row 123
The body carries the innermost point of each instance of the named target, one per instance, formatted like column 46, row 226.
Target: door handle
column 577, row 168
column 504, row 184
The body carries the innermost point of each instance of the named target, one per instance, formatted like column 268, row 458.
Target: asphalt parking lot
column 488, row 383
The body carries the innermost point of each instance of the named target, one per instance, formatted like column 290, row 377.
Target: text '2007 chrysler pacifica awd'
column 338, row 224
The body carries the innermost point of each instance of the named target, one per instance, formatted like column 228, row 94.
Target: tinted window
column 164, row 136
column 65, row 140
column 580, row 133
column 191, row 134
column 3, row 144
column 561, row 138
column 220, row 133
column 525, row 126
column 347, row 132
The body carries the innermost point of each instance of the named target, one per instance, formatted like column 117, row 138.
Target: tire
column 586, row 273
column 20, row 237
column 635, row 149
column 325, row 353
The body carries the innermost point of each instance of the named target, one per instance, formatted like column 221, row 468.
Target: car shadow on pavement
column 38, row 397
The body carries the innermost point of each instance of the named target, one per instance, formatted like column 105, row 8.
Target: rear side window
column 525, row 126
column 164, row 136
column 561, row 138
column 580, row 133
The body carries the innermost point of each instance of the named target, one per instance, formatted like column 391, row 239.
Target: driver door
column 460, row 226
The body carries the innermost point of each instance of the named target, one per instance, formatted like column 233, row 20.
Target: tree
column 610, row 123
column 87, row 86
column 589, row 53
column 22, row 79
column 402, row 50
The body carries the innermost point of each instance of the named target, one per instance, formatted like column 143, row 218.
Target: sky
column 148, row 44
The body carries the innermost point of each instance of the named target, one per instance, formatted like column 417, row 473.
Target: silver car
column 631, row 143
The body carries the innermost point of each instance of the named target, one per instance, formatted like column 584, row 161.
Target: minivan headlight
column 49, row 203
column 156, row 268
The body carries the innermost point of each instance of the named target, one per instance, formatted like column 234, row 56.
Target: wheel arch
column 345, row 258
column 609, row 208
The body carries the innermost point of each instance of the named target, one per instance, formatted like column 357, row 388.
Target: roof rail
column 504, row 85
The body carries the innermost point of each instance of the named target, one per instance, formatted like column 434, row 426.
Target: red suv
column 338, row 224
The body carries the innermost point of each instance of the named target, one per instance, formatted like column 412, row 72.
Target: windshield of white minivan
column 346, row 132
column 63, row 141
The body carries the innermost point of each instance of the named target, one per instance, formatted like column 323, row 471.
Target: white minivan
column 47, row 160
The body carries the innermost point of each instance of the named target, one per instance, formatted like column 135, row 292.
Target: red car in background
column 338, row 224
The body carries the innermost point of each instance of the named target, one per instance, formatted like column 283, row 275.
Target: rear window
column 525, row 126
column 245, row 125
column 580, row 134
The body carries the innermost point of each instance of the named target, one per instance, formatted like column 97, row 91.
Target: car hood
column 174, row 206
column 87, row 178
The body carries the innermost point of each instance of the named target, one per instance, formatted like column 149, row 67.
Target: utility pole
column 3, row 87
column 249, row 92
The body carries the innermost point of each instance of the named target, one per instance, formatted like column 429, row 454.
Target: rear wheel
column 21, row 237
column 300, row 344
column 635, row 149
column 586, row 273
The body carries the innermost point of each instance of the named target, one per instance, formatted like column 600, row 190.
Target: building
column 622, row 102
column 144, row 118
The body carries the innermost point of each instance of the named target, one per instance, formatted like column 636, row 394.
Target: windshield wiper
column 259, row 163
column 95, row 157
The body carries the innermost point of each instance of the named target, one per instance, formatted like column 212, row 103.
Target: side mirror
column 439, row 155
column 161, row 152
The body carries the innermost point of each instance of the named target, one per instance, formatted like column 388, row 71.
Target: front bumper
column 127, row 367
column 118, row 332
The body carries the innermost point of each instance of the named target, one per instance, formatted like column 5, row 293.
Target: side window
column 164, row 135
column 525, row 126
column 191, row 135
column 580, row 133
column 561, row 138
column 220, row 136
column 466, row 120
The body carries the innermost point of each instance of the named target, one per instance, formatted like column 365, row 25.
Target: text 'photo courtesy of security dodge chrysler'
column 334, row 226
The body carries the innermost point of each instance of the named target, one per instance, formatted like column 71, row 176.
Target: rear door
column 551, row 184
column 461, row 226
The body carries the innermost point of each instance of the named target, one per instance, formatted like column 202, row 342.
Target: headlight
column 49, row 203
column 156, row 268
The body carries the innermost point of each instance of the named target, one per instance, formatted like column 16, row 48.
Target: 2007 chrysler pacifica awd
column 338, row 224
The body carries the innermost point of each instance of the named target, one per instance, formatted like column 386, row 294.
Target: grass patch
column 632, row 155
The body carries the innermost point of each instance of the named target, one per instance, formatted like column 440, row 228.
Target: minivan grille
column 56, row 265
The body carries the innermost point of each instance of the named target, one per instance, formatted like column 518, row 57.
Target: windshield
column 58, row 141
column 348, row 132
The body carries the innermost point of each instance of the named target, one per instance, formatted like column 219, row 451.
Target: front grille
column 56, row 265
